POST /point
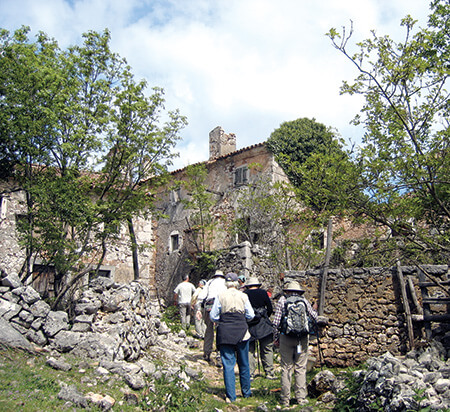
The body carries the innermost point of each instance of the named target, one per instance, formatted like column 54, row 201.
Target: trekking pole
column 318, row 345
column 257, row 355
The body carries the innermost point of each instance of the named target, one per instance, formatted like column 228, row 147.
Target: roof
column 244, row 149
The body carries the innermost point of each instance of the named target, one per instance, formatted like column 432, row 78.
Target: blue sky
column 245, row 65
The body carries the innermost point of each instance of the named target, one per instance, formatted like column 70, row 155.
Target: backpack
column 208, row 304
column 296, row 321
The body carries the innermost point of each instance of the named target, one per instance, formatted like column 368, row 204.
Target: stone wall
column 12, row 205
column 108, row 321
column 365, row 312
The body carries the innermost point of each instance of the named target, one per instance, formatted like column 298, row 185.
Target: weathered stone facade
column 12, row 205
column 227, row 173
column 118, row 263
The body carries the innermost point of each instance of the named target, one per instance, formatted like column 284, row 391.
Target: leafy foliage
column 82, row 139
column 200, row 202
column 401, row 171
column 295, row 141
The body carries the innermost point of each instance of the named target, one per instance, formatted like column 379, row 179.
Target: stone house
column 163, row 261
column 117, row 265
column 167, row 238
column 228, row 170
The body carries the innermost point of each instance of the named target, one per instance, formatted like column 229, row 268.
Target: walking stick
column 316, row 326
column 257, row 354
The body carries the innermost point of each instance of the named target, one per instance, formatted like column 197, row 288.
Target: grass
column 28, row 384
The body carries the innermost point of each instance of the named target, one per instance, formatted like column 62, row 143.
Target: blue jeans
column 228, row 354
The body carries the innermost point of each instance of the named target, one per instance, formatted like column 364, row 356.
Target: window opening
column 102, row 272
column 174, row 242
column 318, row 240
column 241, row 175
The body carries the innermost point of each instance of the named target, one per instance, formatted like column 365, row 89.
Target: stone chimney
column 220, row 143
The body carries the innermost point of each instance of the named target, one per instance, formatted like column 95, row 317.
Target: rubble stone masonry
column 365, row 312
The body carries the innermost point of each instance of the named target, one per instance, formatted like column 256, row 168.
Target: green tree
column 200, row 201
column 295, row 141
column 269, row 214
column 403, row 166
column 82, row 139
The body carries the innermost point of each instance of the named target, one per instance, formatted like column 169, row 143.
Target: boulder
column 9, row 336
column 56, row 322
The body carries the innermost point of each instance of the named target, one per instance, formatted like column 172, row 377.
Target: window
column 106, row 273
column 174, row 243
column 241, row 175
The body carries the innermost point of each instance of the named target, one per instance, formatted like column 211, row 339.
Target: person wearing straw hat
column 293, row 350
column 260, row 328
column 231, row 311
column 211, row 290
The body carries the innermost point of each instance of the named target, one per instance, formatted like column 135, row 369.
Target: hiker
column 241, row 280
column 197, row 311
column 182, row 298
column 231, row 310
column 293, row 349
column 260, row 327
column 206, row 298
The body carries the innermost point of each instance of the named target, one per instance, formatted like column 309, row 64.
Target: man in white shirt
column 182, row 298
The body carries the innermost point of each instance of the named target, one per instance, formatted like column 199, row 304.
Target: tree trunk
column 134, row 248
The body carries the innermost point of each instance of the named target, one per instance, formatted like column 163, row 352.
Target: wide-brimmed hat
column 231, row 277
column 253, row 281
column 219, row 273
column 293, row 286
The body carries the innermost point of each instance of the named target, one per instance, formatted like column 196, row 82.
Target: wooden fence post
column 323, row 283
column 406, row 305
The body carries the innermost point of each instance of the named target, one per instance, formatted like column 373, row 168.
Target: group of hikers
column 237, row 312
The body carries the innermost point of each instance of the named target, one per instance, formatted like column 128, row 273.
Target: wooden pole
column 412, row 290
column 414, row 295
column 406, row 305
column 323, row 283
column 426, row 306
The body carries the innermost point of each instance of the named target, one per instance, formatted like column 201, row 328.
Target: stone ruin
column 110, row 321
column 416, row 381
column 118, row 325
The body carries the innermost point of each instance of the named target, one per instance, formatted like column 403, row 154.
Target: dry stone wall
column 109, row 321
column 365, row 312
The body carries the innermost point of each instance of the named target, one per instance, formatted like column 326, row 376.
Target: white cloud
column 246, row 65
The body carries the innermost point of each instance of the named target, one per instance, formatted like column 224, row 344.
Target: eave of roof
column 244, row 149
